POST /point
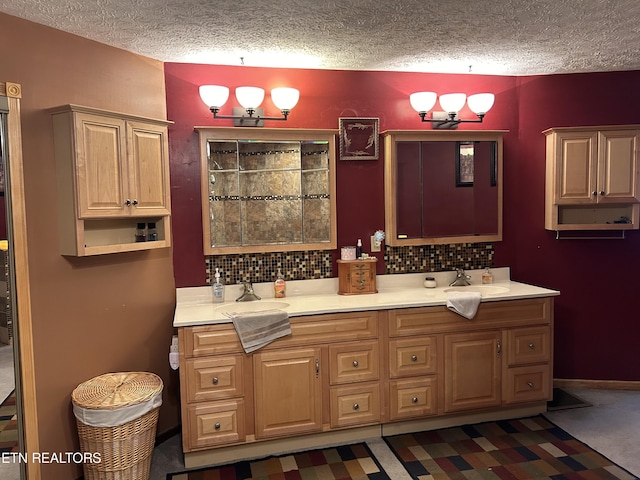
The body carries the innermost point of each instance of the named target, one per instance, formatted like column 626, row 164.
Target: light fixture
column 214, row 96
column 451, row 103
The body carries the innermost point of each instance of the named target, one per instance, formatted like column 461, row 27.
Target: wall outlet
column 375, row 246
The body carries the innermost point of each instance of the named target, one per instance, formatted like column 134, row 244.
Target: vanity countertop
column 310, row 297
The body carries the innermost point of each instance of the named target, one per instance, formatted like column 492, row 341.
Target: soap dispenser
column 487, row 276
column 279, row 285
column 218, row 288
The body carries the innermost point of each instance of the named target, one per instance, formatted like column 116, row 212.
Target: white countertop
column 309, row 297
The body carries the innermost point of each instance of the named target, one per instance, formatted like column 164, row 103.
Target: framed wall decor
column 464, row 164
column 358, row 138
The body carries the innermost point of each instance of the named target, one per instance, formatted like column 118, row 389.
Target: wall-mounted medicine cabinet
column 442, row 186
column 266, row 190
column 593, row 178
column 112, row 174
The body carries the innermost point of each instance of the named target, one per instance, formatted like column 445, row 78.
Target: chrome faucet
column 461, row 280
column 248, row 294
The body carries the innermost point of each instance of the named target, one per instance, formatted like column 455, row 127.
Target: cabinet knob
column 601, row 192
column 127, row 202
column 217, row 426
column 356, row 406
column 215, row 380
column 594, row 193
column 135, row 202
column 355, row 364
column 532, row 346
column 414, row 358
column 531, row 385
column 414, row 399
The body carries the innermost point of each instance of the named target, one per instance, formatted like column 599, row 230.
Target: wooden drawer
column 214, row 378
column 412, row 356
column 329, row 328
column 413, row 398
column 353, row 362
column 210, row 340
column 528, row 384
column 528, row 345
column 425, row 320
column 355, row 405
column 216, row 423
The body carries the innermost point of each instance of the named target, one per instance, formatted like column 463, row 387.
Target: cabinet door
column 618, row 167
column 472, row 370
column 100, row 159
column 148, row 178
column 576, row 167
column 288, row 392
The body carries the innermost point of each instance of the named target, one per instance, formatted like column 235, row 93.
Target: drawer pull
column 414, row 358
column 356, row 406
column 532, row 346
column 498, row 347
column 414, row 399
column 531, row 385
column 215, row 380
column 217, row 426
column 355, row 364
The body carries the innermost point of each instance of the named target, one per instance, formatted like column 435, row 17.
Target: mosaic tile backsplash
column 438, row 258
column 263, row 267
column 307, row 265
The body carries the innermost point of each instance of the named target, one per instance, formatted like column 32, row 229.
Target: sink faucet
column 461, row 280
column 248, row 294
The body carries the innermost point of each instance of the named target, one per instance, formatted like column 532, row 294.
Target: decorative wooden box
column 357, row 276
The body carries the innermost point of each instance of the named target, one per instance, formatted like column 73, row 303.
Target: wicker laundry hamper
column 117, row 415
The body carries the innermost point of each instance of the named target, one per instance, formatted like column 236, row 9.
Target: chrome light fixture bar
column 215, row 96
column 451, row 103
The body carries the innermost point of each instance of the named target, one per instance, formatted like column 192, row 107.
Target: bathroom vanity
column 359, row 366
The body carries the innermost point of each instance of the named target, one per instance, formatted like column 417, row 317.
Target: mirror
column 443, row 187
column 267, row 190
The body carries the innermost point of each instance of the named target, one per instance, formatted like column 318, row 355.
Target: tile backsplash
column 315, row 264
column 263, row 267
column 437, row 258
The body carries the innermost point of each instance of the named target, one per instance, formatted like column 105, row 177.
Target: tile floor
column 611, row 425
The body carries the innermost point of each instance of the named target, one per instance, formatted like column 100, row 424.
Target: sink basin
column 484, row 290
column 256, row 306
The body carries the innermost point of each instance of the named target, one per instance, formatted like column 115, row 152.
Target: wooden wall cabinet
column 113, row 173
column 593, row 178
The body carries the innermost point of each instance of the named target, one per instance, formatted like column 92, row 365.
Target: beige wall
column 90, row 315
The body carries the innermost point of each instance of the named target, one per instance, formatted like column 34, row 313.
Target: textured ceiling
column 499, row 37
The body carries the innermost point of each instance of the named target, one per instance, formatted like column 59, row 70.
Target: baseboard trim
column 600, row 384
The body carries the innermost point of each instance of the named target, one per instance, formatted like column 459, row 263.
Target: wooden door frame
column 26, row 377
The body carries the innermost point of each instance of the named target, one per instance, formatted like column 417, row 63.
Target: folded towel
column 464, row 303
column 257, row 329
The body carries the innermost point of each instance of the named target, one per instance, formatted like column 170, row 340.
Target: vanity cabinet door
column 288, row 392
column 472, row 370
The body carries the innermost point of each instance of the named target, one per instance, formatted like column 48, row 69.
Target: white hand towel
column 257, row 329
column 464, row 303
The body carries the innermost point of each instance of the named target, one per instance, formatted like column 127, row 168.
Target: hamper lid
column 117, row 390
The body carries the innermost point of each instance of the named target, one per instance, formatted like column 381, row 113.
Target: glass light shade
column 452, row 102
column 481, row 103
column 285, row 98
column 422, row 101
column 250, row 97
column 214, row 95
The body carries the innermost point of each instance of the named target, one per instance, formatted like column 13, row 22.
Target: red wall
column 596, row 326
